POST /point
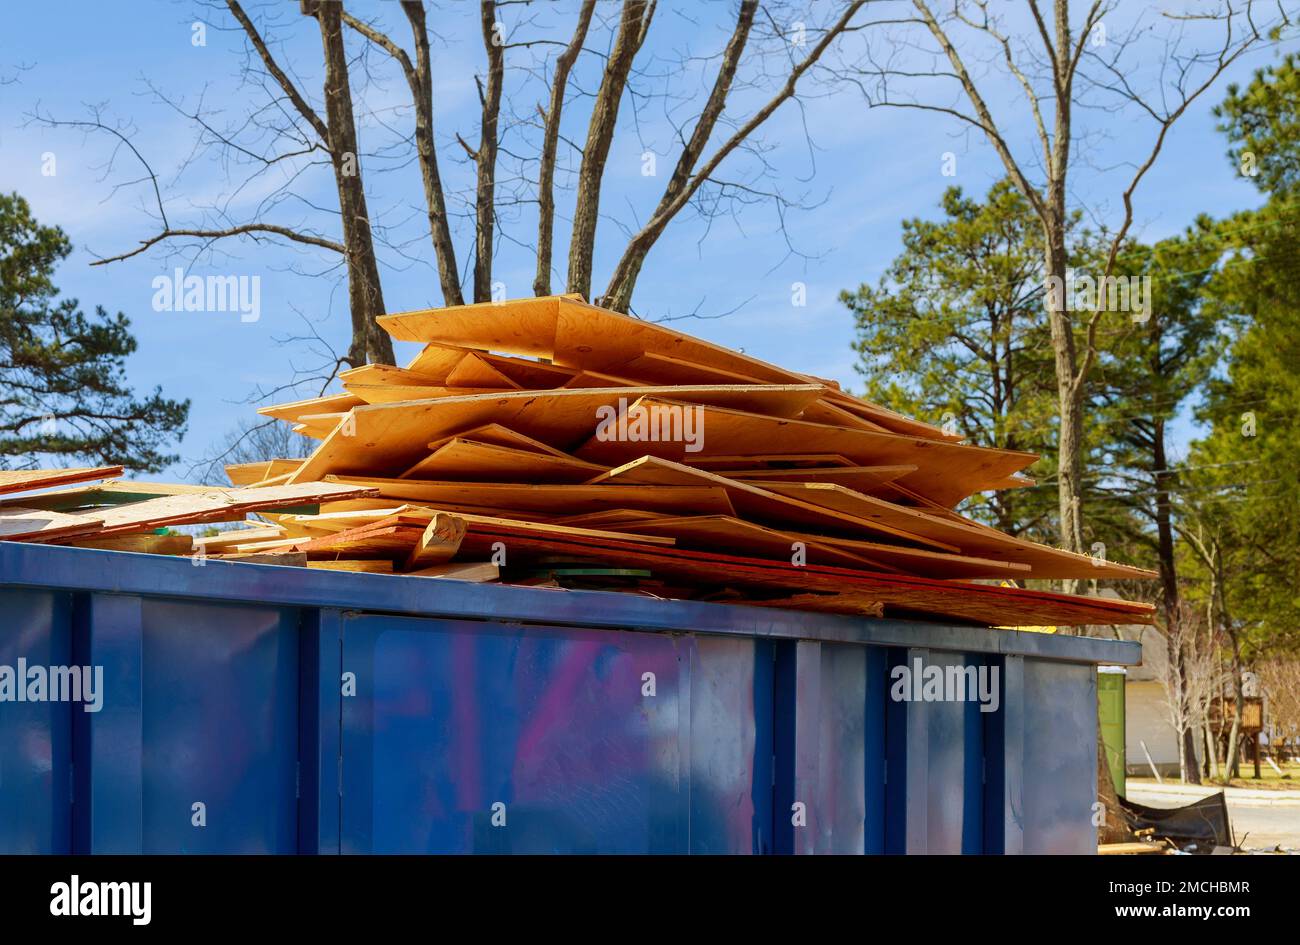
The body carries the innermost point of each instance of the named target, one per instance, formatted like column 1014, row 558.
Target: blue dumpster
column 245, row 708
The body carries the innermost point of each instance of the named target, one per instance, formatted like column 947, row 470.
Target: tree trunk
column 1069, row 392
column 444, row 251
column 600, row 134
column 550, row 145
column 1171, row 599
column 486, row 156
column 1234, row 733
column 365, row 293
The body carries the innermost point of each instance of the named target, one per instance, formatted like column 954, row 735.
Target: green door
column 1110, row 702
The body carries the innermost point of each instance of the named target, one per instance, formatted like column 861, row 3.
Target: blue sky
column 868, row 170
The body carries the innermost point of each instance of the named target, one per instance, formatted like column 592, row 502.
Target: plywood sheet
column 759, row 504
column 25, row 480
column 387, row 439
column 551, row 500
column 946, row 472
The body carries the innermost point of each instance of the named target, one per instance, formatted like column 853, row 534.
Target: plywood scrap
column 17, row 523
column 147, row 543
column 979, row 603
column 25, row 480
column 946, row 472
column 549, row 499
column 472, row 461
column 214, row 505
column 371, row 566
column 388, row 438
column 476, row 572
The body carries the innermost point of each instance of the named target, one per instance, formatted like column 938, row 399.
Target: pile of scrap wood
column 550, row 442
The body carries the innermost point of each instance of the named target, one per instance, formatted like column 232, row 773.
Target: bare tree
column 521, row 157
column 1061, row 69
column 1189, row 682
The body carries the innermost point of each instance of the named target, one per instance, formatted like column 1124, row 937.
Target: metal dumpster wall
column 238, row 716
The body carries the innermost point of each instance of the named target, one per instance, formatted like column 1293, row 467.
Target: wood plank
column 766, row 506
column 384, row 394
column 575, row 334
column 19, row 524
column 387, row 439
column 26, row 480
column 295, row 410
column 783, row 461
column 737, row 536
column 212, row 506
column 548, row 499
column 946, row 472
column 921, row 562
column 229, row 538
column 982, row 603
column 476, row 572
column 366, row 566
column 467, row 460
column 247, row 474
column 439, row 542
column 869, row 480
column 147, row 543
column 967, row 537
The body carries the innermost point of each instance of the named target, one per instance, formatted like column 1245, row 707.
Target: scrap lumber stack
column 550, row 442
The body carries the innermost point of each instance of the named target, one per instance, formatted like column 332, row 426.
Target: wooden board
column 247, row 474
column 574, row 334
column 368, row 566
column 759, row 504
column 966, row 537
column 295, row 410
column 387, row 439
column 946, row 472
column 215, row 505
column 782, row 461
column 468, row 460
column 736, row 536
column 384, row 394
column 147, row 543
column 869, row 480
column 553, row 499
column 980, row 603
column 476, row 572
column 19, row 524
column 25, row 480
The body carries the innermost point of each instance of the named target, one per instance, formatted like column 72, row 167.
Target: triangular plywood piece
column 498, row 435
column 471, row 461
column 474, row 371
